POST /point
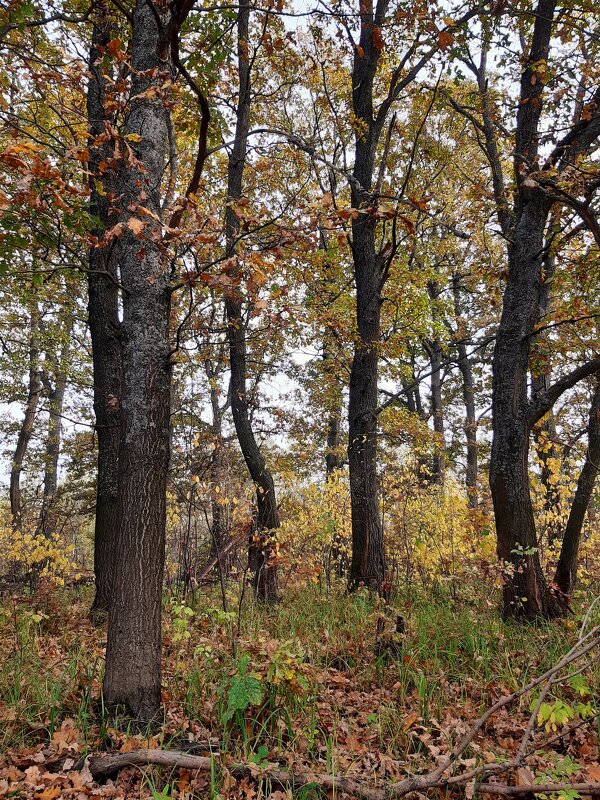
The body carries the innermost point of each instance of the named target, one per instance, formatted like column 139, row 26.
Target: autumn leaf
column 136, row 225
column 445, row 39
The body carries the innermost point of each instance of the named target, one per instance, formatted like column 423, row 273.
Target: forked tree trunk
column 103, row 314
column 566, row 570
column 261, row 551
column 26, row 429
column 525, row 593
column 133, row 652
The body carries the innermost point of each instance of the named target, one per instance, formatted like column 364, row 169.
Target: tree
column 566, row 569
column 526, row 592
column 133, row 652
column 103, row 314
column 261, row 550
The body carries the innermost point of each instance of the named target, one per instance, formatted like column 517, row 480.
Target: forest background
column 301, row 411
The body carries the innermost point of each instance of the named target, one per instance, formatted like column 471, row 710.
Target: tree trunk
column 566, row 570
column 434, row 350
column 468, row 393
column 26, row 429
column 103, row 314
column 133, row 652
column 368, row 555
column 261, row 552
column 218, row 515
column 526, row 593
column 334, row 415
column 56, row 397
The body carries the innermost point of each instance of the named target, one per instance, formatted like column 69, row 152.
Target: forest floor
column 303, row 685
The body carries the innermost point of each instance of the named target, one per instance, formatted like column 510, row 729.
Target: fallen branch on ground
column 103, row 767
column 106, row 766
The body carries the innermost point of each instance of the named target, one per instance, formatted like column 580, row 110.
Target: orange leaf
column 377, row 38
column 445, row 39
column 136, row 225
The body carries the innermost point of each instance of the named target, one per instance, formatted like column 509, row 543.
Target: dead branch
column 103, row 767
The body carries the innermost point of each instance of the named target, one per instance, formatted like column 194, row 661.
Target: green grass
column 453, row 654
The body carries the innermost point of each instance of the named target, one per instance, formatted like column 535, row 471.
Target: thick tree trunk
column 103, row 313
column 261, row 552
column 133, row 652
column 566, row 570
column 26, row 429
column 526, row 593
column 368, row 556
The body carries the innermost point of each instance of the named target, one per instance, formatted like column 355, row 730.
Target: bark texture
column 368, row 555
column 103, row 315
column 133, row 670
column 526, row 592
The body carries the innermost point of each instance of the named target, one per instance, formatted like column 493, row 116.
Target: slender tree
column 261, row 547
column 34, row 391
column 566, row 569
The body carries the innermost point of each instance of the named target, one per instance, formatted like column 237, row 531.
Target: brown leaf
column 445, row 39
column 136, row 225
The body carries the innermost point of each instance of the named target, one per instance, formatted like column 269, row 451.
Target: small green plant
column 560, row 772
column 181, row 615
column 244, row 689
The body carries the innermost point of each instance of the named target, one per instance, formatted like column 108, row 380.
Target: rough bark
column 525, row 592
column 261, row 553
column 566, row 570
column 26, row 429
column 368, row 555
column 133, row 652
column 103, row 315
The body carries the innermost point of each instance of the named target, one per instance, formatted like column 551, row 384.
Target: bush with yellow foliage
column 32, row 556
